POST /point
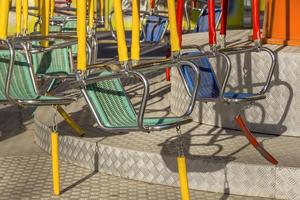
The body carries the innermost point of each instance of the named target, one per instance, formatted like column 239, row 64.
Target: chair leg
column 241, row 123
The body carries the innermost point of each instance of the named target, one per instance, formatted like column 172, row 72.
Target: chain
column 180, row 149
column 54, row 127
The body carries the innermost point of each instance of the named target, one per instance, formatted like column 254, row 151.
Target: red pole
column 255, row 20
column 194, row 2
column 211, row 22
column 224, row 4
column 152, row 4
column 179, row 16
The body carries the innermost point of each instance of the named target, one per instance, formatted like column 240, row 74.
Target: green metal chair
column 54, row 61
column 17, row 83
column 113, row 110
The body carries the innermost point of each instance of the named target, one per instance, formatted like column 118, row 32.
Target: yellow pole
column 52, row 8
column 70, row 121
column 91, row 14
column 4, row 10
column 45, row 21
column 183, row 180
column 18, row 16
column 41, row 4
column 25, row 16
column 122, row 47
column 55, row 162
column 81, row 34
column 135, row 42
column 173, row 26
column 101, row 8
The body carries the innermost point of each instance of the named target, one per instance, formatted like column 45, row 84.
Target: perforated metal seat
column 115, row 111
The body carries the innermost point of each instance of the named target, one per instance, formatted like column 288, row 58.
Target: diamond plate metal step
column 29, row 177
column 218, row 159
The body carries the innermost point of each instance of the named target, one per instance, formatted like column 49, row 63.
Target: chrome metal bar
column 247, row 49
column 10, row 71
column 196, row 88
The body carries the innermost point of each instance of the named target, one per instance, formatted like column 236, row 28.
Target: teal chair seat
column 22, row 87
column 114, row 109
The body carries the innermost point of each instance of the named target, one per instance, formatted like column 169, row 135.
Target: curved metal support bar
column 146, row 91
column 197, row 85
column 111, row 26
column 10, row 71
column 92, row 48
column 247, row 49
column 210, row 54
column 227, row 73
column 186, row 14
column 271, row 71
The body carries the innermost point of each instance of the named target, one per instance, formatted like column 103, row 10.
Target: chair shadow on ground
column 13, row 121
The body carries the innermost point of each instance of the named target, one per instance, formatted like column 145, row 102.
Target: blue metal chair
column 202, row 22
column 210, row 88
column 154, row 27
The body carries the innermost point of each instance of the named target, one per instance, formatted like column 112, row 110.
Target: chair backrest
column 209, row 87
column 154, row 28
column 202, row 23
column 111, row 103
column 65, row 25
column 22, row 83
column 54, row 61
column 71, row 26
